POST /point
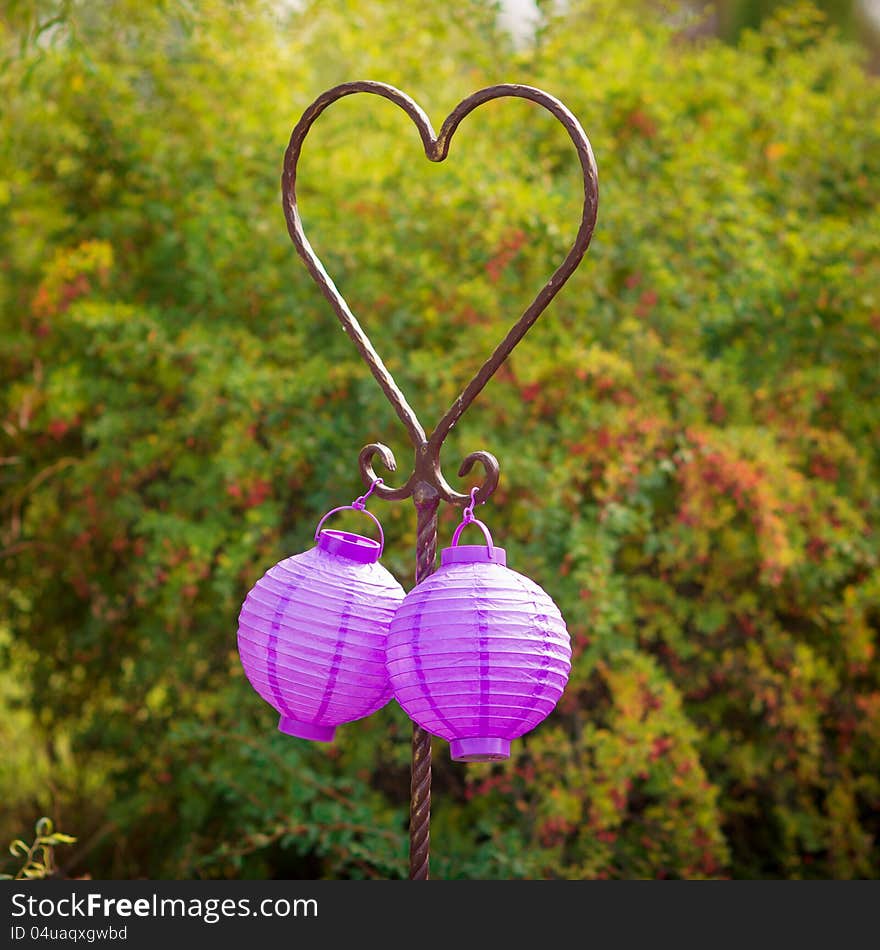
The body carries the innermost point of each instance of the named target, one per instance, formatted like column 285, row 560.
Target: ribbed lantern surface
column 312, row 634
column 478, row 654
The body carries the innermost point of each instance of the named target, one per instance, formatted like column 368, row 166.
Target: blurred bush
column 734, row 16
column 688, row 437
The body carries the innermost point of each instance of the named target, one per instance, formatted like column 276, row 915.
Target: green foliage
column 734, row 16
column 688, row 437
column 37, row 859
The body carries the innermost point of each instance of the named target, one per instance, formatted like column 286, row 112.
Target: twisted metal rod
column 427, row 502
column 436, row 147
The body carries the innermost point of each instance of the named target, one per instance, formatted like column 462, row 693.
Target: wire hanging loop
column 468, row 518
column 361, row 501
column 468, row 513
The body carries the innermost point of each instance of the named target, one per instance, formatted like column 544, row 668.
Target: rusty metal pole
column 426, row 484
column 427, row 502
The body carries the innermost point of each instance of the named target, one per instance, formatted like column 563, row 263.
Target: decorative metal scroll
column 426, row 483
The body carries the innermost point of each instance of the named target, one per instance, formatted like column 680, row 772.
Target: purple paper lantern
column 478, row 654
column 312, row 632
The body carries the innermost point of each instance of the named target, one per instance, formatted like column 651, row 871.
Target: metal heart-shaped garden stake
column 426, row 484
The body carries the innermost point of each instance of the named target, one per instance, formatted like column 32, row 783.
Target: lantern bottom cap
column 305, row 730
column 479, row 750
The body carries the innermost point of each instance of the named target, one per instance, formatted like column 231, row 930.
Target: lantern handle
column 354, row 508
column 482, row 528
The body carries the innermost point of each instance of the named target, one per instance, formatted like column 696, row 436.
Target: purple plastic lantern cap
column 305, row 730
column 473, row 553
column 478, row 654
column 353, row 546
column 312, row 632
column 479, row 750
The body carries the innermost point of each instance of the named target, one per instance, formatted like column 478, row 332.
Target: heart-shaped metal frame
column 427, row 474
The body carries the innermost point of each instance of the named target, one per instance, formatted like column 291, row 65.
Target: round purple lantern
column 312, row 631
column 478, row 654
